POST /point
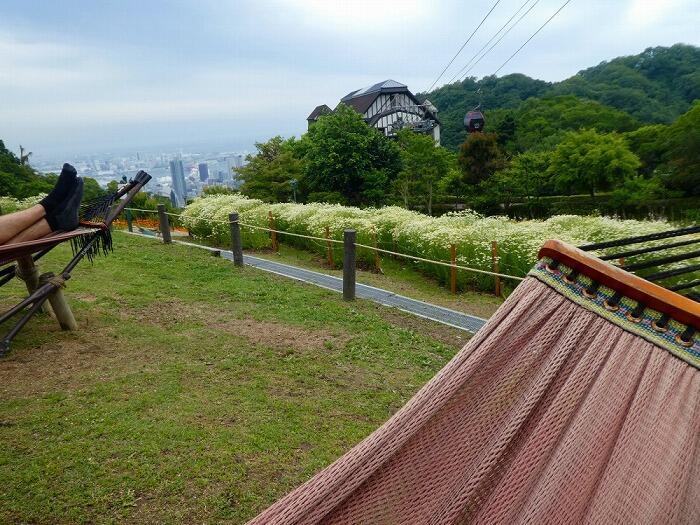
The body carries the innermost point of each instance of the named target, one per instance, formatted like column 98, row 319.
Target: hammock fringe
column 101, row 245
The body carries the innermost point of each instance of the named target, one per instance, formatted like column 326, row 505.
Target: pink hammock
column 567, row 407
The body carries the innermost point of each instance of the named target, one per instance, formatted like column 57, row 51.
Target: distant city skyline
column 81, row 77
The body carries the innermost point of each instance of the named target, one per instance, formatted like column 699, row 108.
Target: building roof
column 318, row 111
column 361, row 99
column 387, row 86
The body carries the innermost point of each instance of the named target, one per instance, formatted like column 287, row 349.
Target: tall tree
column 479, row 157
column 424, row 165
column 590, row 161
column 269, row 173
column 527, row 177
column 346, row 156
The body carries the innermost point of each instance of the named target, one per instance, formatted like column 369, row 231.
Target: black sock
column 65, row 217
column 60, row 191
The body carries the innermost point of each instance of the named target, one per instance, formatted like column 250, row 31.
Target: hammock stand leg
column 36, row 299
column 59, row 304
column 29, row 273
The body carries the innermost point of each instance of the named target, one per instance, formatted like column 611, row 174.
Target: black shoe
column 65, row 217
column 62, row 189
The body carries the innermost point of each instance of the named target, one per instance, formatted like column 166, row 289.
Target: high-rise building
column 203, row 172
column 179, row 186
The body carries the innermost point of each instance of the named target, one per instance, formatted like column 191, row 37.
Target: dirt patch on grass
column 447, row 335
column 64, row 364
column 283, row 338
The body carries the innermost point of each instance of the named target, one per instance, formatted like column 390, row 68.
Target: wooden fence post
column 273, row 234
column 349, row 265
column 236, row 245
column 329, row 248
column 377, row 260
column 494, row 258
column 129, row 221
column 453, row 269
column 164, row 224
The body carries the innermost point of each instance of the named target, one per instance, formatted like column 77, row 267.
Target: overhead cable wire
column 463, row 46
column 532, row 36
column 459, row 73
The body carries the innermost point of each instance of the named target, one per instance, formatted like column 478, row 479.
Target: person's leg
column 13, row 223
column 37, row 230
column 57, row 211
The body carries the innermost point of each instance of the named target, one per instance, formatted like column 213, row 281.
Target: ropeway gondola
column 474, row 121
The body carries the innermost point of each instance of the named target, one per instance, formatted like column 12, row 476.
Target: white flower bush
column 404, row 231
column 10, row 204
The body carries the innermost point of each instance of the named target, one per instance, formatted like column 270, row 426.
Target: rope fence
column 452, row 265
column 442, row 263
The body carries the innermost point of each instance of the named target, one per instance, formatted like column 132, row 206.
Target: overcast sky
column 95, row 76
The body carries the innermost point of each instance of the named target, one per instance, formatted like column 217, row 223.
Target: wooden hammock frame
column 49, row 286
column 677, row 306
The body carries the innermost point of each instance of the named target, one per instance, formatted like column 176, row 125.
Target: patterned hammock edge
column 667, row 339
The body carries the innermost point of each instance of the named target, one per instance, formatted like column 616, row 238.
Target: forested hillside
column 655, row 86
column 19, row 180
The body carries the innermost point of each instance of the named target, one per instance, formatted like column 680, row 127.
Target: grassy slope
column 194, row 392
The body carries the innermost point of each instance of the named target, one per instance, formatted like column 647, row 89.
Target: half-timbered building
column 390, row 106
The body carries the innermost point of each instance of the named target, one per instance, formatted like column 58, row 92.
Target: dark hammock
column 91, row 238
column 578, row 402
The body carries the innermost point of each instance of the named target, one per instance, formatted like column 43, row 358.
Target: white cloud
column 642, row 14
column 358, row 15
column 28, row 63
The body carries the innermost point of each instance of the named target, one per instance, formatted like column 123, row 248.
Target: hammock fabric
column 564, row 408
column 10, row 252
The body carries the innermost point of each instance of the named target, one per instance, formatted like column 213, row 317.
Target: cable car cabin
column 474, row 121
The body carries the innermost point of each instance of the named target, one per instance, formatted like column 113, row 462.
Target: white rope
column 290, row 233
column 450, row 265
column 137, row 209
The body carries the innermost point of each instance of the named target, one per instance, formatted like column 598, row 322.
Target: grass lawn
column 398, row 275
column 194, row 391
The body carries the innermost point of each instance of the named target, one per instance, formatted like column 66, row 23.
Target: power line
column 463, row 46
column 531, row 37
column 459, row 73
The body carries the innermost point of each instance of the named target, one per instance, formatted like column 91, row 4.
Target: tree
column 24, row 157
column 424, row 165
column 91, row 189
column 542, row 123
column 343, row 155
column 639, row 192
column 479, row 158
column 527, row 177
column 683, row 152
column 505, row 130
column 649, row 144
column 20, row 181
column 587, row 160
column 269, row 172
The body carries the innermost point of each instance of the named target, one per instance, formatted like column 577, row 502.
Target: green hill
column 655, row 86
